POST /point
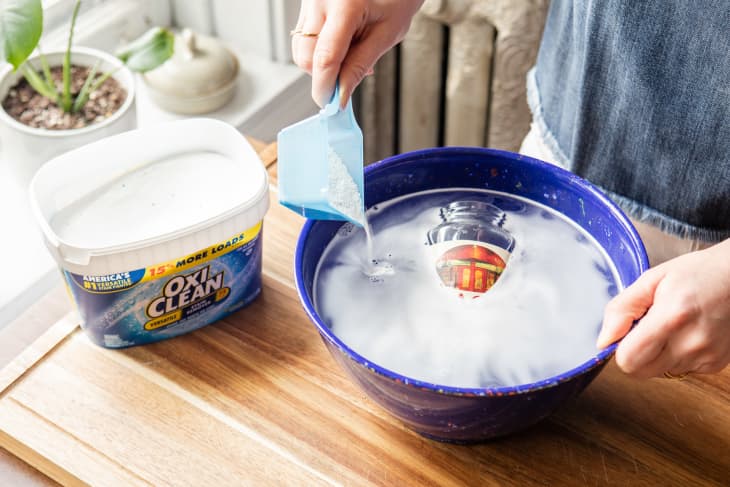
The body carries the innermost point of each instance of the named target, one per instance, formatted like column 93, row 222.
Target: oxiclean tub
column 157, row 231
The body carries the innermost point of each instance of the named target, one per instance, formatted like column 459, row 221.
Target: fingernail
column 343, row 97
column 319, row 100
column 620, row 359
column 326, row 100
column 603, row 339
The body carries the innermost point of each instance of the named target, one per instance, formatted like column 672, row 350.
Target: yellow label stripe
column 201, row 256
column 163, row 320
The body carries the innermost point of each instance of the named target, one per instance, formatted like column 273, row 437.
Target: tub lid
column 146, row 187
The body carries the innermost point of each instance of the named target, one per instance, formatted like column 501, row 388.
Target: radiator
column 458, row 78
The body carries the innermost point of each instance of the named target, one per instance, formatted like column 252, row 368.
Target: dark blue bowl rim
column 598, row 360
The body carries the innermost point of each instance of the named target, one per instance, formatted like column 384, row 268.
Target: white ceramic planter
column 24, row 149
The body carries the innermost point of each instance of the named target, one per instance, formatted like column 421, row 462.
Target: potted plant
column 53, row 102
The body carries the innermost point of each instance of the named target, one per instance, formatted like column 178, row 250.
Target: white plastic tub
column 158, row 230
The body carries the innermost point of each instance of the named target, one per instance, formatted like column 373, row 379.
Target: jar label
column 169, row 298
column 470, row 267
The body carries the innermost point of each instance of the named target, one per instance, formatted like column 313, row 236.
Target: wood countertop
column 256, row 399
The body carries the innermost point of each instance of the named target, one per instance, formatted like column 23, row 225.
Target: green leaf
column 149, row 51
column 21, row 25
column 85, row 92
column 47, row 76
column 83, row 97
column 100, row 80
column 38, row 84
column 66, row 101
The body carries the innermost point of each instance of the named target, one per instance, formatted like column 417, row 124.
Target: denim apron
column 635, row 97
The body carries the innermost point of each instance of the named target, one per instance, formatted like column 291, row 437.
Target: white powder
column 154, row 199
column 343, row 193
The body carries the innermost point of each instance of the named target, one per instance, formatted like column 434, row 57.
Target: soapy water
column 540, row 319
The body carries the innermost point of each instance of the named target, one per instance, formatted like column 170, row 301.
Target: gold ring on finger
column 299, row 32
column 669, row 375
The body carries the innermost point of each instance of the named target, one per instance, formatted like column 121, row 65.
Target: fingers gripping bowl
column 461, row 414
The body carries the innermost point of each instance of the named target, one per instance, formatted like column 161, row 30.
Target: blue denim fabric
column 634, row 95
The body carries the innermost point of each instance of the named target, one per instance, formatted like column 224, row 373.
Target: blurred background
column 457, row 79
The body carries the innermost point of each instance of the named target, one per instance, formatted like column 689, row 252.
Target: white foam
column 541, row 318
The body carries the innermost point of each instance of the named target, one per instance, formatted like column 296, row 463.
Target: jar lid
column 210, row 185
column 200, row 66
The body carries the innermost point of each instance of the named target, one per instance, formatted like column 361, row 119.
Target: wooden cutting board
column 256, row 399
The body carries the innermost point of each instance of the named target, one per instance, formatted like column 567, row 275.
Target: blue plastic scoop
column 321, row 165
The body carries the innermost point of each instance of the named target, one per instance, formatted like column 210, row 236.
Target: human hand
column 352, row 36
column 685, row 304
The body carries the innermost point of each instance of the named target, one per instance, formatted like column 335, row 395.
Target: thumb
column 628, row 306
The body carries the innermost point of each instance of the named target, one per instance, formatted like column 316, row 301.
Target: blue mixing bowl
column 467, row 414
